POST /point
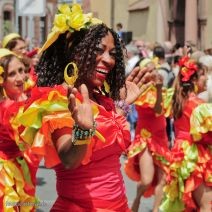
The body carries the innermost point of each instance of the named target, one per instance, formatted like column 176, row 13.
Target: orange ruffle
column 43, row 144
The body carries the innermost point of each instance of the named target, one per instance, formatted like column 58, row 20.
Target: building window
column 7, row 22
column 7, row 15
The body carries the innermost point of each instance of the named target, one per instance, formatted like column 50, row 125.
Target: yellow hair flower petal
column 76, row 8
column 60, row 23
column 77, row 21
column 71, row 80
column 64, row 8
column 69, row 18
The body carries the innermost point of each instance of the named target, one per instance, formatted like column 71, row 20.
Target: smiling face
column 105, row 61
column 15, row 78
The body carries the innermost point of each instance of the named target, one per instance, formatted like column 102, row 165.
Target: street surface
column 47, row 193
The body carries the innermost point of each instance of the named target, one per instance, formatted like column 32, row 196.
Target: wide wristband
column 82, row 142
column 82, row 135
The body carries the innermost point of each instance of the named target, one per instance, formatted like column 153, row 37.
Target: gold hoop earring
column 107, row 87
column 71, row 80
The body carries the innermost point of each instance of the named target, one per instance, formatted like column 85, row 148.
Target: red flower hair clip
column 187, row 68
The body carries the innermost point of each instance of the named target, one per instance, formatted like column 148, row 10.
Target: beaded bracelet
column 79, row 136
column 123, row 106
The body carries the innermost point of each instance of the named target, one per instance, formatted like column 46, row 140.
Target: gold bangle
column 82, row 142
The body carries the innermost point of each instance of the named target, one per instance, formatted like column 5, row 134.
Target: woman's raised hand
column 138, row 81
column 81, row 111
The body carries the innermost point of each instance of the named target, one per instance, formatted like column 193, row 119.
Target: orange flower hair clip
column 187, row 68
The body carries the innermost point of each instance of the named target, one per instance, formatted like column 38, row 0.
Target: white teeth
column 102, row 71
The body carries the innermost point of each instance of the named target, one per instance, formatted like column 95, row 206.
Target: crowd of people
column 83, row 99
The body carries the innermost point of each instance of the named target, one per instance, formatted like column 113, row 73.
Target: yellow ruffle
column 12, row 180
column 201, row 121
column 167, row 95
column 148, row 99
column 180, row 171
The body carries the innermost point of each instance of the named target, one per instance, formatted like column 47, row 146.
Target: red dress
column 97, row 184
column 17, row 169
column 191, row 163
column 150, row 133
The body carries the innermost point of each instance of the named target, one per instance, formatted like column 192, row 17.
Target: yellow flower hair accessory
column 4, row 52
column 8, row 38
column 1, row 77
column 69, row 18
column 71, row 80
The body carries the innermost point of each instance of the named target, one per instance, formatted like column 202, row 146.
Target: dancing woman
column 81, row 129
column 17, row 166
column 190, row 178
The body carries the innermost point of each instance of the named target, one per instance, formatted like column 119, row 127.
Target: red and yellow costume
column 97, row 184
column 191, row 156
column 17, row 166
column 150, row 133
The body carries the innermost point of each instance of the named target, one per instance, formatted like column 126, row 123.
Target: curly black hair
column 81, row 48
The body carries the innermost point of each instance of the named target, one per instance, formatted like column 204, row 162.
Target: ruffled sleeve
column 47, row 111
column 41, row 117
column 201, row 123
column 148, row 99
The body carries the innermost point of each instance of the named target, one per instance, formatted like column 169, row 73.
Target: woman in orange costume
column 17, row 169
column 148, row 155
column 83, row 136
column 190, row 178
column 15, row 43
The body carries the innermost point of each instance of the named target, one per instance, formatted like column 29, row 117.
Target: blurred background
column 177, row 21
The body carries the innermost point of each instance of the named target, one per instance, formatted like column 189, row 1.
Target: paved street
column 47, row 193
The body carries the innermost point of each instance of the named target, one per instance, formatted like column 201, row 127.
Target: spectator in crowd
column 15, row 43
column 206, row 95
column 119, row 28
